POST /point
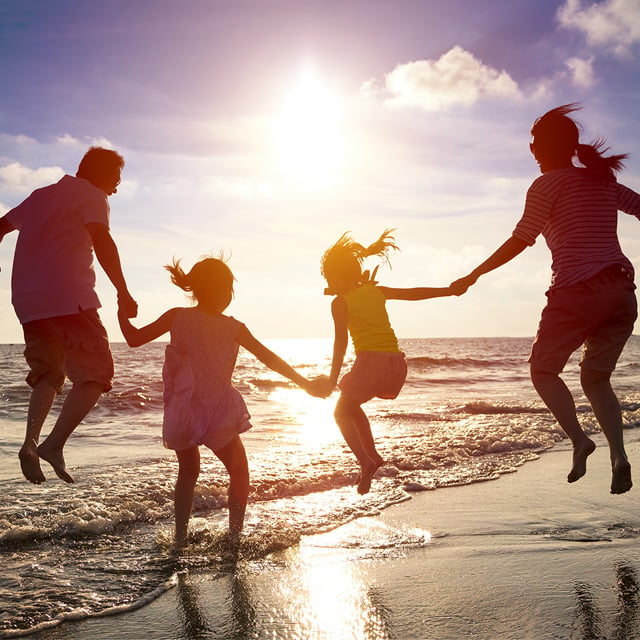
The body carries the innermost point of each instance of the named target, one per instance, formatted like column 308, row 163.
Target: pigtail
column 342, row 263
column 381, row 247
column 178, row 276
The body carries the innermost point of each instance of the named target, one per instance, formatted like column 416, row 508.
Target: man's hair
column 98, row 163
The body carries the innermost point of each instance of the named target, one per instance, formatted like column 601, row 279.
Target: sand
column 527, row 556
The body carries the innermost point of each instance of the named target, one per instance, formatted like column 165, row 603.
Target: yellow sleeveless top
column 367, row 320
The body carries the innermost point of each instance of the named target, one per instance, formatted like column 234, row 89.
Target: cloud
column 613, row 25
column 581, row 71
column 17, row 178
column 456, row 78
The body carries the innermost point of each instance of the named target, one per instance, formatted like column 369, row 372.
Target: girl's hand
column 320, row 387
column 460, row 286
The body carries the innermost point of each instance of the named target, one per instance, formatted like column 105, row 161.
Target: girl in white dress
column 201, row 406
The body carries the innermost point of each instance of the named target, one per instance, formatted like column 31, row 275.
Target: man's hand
column 127, row 305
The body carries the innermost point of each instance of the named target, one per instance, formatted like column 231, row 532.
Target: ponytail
column 593, row 158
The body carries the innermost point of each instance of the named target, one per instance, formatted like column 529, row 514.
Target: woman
column 591, row 301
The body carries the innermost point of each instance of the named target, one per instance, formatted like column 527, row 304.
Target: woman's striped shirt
column 578, row 216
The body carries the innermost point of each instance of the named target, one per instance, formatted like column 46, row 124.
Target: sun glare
column 308, row 138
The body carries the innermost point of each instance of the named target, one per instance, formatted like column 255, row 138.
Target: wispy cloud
column 582, row 73
column 613, row 25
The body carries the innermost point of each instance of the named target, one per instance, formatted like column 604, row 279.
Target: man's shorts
column 598, row 313
column 375, row 374
column 74, row 346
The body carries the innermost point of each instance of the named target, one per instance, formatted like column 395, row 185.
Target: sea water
column 468, row 413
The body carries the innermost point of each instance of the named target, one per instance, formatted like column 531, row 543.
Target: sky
column 262, row 130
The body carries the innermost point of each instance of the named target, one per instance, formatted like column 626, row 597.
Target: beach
column 525, row 556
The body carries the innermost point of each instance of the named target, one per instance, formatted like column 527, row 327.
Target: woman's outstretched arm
column 503, row 254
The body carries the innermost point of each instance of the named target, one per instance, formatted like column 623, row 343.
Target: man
column 54, row 297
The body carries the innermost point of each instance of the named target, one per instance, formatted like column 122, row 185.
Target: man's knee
column 591, row 379
column 539, row 376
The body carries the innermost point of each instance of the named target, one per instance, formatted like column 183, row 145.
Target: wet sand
column 527, row 556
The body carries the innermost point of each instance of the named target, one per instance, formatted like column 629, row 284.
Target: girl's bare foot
column 30, row 464
column 580, row 455
column 366, row 476
column 56, row 460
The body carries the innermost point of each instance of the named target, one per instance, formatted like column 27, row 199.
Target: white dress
column 201, row 406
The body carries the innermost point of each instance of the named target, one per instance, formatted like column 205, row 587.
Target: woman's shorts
column 76, row 346
column 375, row 374
column 598, row 313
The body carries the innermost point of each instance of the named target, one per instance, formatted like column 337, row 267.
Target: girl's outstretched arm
column 136, row 337
column 341, row 338
column 246, row 339
column 416, row 293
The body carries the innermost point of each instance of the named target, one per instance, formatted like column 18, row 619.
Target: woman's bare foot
column 366, row 475
column 30, row 463
column 621, row 478
column 56, row 460
column 580, row 455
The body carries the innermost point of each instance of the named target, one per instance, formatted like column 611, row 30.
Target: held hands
column 127, row 306
column 460, row 286
column 320, row 387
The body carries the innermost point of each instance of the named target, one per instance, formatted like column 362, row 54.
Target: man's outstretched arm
column 109, row 259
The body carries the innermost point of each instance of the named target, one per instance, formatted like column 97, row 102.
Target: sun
column 309, row 139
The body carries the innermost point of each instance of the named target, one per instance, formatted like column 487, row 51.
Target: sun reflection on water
column 314, row 417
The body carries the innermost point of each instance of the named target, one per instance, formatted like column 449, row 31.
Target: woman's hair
column 342, row 263
column 210, row 280
column 557, row 135
column 98, row 163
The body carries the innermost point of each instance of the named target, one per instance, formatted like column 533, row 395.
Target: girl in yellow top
column 380, row 368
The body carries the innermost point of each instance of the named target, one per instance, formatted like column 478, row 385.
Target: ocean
column 467, row 414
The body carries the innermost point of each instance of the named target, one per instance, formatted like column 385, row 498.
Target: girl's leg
column 356, row 430
column 188, row 472
column 556, row 395
column 234, row 458
column 606, row 407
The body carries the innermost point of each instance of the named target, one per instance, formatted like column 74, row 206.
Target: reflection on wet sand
column 590, row 619
column 312, row 597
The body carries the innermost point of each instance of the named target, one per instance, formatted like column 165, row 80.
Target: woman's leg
column 234, row 458
column 606, row 407
column 188, row 472
column 556, row 395
column 356, row 430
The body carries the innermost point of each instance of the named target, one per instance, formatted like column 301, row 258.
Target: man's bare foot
column 56, row 460
column 30, row 464
column 366, row 476
column 621, row 478
column 580, row 455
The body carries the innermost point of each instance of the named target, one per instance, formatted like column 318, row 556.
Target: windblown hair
column 557, row 135
column 98, row 163
column 210, row 280
column 342, row 263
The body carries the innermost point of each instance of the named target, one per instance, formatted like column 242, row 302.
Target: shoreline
column 526, row 556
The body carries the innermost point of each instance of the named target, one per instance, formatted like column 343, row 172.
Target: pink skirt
column 375, row 374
